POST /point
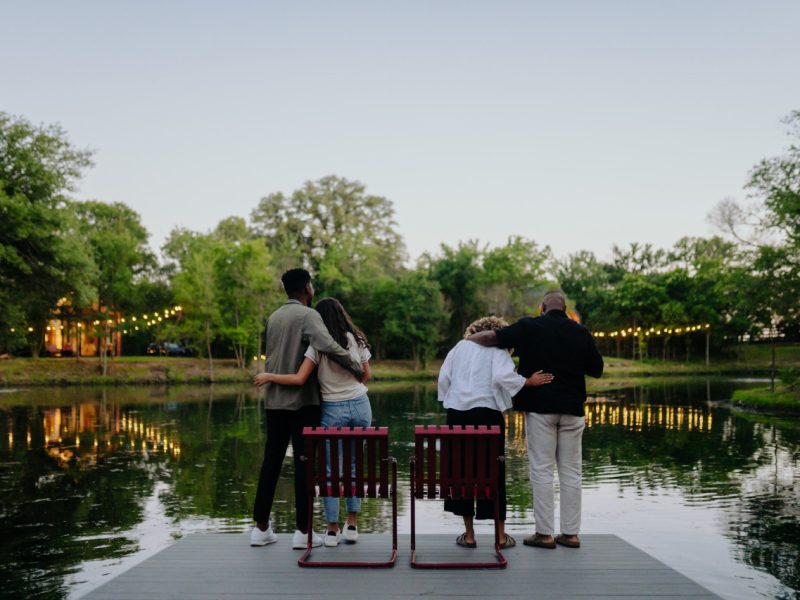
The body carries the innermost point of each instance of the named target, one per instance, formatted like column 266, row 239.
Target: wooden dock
column 209, row 566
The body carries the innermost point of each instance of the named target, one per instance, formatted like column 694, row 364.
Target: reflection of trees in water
column 63, row 503
column 58, row 510
column 714, row 458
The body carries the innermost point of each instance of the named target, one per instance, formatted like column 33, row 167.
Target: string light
column 652, row 331
column 156, row 319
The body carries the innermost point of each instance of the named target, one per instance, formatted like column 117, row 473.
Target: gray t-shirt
column 337, row 383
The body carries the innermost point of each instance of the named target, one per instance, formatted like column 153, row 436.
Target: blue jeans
column 355, row 412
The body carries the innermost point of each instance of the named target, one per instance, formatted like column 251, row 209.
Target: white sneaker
column 351, row 533
column 332, row 539
column 300, row 540
column 262, row 538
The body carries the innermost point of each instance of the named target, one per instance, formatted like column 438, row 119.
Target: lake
column 94, row 480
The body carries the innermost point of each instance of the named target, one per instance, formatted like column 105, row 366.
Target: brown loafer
column 539, row 541
column 570, row 541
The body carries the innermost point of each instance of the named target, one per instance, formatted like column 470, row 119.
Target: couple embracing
column 476, row 385
column 317, row 365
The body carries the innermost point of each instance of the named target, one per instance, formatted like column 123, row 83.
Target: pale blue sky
column 576, row 124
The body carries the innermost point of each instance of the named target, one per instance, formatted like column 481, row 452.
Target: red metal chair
column 368, row 447
column 467, row 467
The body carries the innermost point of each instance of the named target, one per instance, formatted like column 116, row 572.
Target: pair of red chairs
column 448, row 462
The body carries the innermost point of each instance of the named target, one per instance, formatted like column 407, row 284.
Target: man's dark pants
column 282, row 426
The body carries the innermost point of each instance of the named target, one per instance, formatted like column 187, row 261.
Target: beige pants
column 555, row 440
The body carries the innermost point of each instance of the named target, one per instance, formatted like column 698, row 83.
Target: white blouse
column 475, row 376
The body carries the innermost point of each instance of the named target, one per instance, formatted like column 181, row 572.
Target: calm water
column 93, row 481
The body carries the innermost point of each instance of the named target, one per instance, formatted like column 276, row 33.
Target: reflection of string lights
column 652, row 331
column 107, row 428
column 631, row 417
column 643, row 416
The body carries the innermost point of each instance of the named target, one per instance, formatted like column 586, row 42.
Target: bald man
column 554, row 418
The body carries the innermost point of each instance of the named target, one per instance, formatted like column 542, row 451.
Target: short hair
column 295, row 281
column 485, row 324
column 553, row 299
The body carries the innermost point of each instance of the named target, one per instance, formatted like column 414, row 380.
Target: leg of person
column 334, row 414
column 278, row 434
column 306, row 416
column 569, row 458
column 485, row 508
column 360, row 416
column 462, row 507
column 540, row 431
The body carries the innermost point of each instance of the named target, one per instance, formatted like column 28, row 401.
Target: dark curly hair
column 339, row 323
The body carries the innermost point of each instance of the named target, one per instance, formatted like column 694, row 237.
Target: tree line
column 64, row 257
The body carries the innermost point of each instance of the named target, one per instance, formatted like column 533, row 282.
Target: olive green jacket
column 290, row 331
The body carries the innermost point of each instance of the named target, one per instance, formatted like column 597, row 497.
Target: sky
column 576, row 124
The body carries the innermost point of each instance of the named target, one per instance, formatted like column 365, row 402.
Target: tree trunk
column 210, row 358
column 772, row 368
column 708, row 347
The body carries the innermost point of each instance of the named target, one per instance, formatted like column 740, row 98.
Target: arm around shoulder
column 321, row 340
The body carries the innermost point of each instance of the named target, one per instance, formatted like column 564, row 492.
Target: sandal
column 462, row 541
column 509, row 542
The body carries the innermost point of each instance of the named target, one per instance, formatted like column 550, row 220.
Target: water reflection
column 91, row 478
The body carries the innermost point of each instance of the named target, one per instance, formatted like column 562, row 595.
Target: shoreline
column 69, row 372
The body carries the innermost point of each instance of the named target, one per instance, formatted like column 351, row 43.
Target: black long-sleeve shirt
column 556, row 344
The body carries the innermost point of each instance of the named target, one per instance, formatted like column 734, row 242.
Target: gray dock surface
column 209, row 566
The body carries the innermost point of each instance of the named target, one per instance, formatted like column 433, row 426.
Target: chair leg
column 303, row 560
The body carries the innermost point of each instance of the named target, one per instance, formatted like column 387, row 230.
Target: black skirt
column 485, row 508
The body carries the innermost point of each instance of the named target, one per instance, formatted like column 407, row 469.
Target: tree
column 118, row 243
column 458, row 271
column 514, row 276
column 413, row 314
column 196, row 287
column 247, row 287
column 776, row 182
column 331, row 213
column 43, row 257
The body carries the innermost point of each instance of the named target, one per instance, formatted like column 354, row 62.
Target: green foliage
column 764, row 398
column 413, row 314
column 118, row 243
column 331, row 214
column 790, row 377
column 43, row 257
column 227, row 283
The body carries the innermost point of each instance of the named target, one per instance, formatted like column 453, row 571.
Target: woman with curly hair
column 476, row 384
column 344, row 400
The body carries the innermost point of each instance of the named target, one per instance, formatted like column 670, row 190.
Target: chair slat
column 336, row 467
column 431, row 467
column 457, row 477
column 347, row 470
column 322, row 477
column 371, row 472
column 383, row 444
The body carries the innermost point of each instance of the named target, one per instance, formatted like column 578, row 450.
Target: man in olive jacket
column 290, row 331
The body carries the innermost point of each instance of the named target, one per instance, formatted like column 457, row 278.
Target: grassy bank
column 781, row 401
column 750, row 360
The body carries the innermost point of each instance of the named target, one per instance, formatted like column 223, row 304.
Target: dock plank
column 225, row 566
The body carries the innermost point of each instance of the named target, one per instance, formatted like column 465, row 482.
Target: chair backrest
column 467, row 465
column 368, row 447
